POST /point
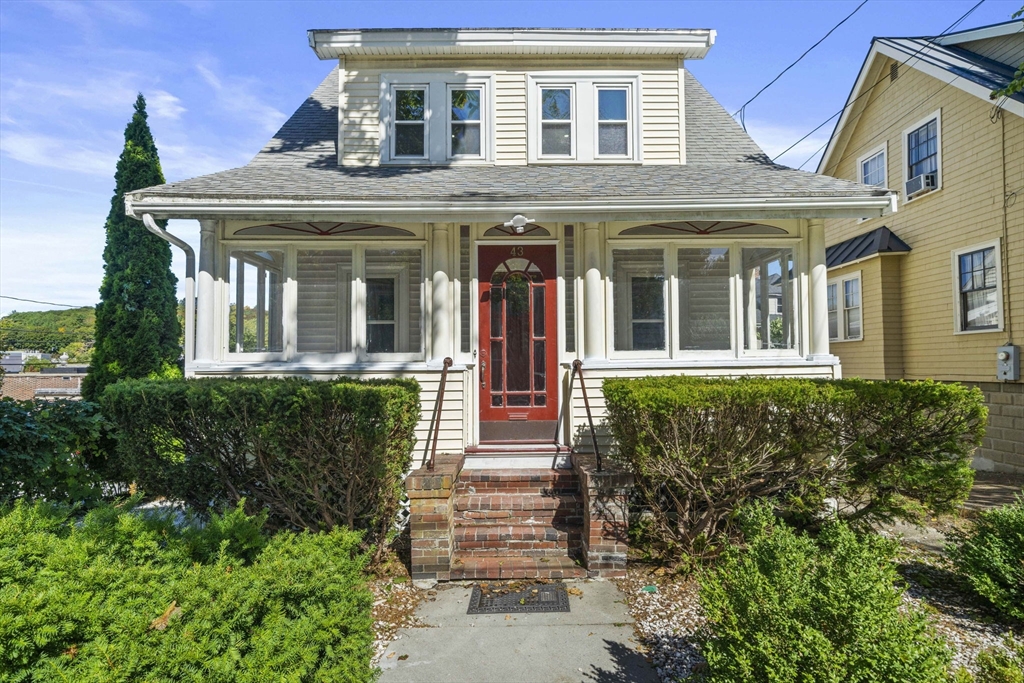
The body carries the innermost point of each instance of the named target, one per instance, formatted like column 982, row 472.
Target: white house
column 512, row 199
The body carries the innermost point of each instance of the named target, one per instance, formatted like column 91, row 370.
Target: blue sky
column 220, row 77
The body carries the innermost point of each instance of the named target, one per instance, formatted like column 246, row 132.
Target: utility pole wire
column 781, row 73
column 47, row 303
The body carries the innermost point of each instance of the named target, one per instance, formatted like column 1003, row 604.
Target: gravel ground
column 668, row 621
column 394, row 604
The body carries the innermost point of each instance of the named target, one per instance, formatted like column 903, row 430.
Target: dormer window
column 586, row 118
column 435, row 118
column 410, row 128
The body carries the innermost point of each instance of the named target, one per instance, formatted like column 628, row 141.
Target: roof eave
column 685, row 43
column 645, row 208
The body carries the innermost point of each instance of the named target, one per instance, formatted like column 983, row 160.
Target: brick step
column 518, row 502
column 508, row 567
column 518, row 475
column 525, row 540
column 486, row 488
column 560, row 518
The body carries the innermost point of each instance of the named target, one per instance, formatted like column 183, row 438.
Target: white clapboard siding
column 580, row 431
column 362, row 118
column 510, row 118
column 660, row 109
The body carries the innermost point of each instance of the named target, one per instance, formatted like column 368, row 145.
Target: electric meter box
column 1008, row 363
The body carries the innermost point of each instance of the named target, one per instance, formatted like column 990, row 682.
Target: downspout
column 190, row 286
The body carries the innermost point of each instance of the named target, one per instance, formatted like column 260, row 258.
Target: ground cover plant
column 701, row 448
column 42, row 450
column 791, row 607
column 122, row 596
column 313, row 454
column 990, row 556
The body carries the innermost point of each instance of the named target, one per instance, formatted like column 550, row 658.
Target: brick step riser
column 467, row 503
column 512, row 551
column 496, row 573
column 561, row 544
column 503, row 489
column 505, row 533
column 519, row 517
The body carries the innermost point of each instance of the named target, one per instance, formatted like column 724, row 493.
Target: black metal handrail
column 437, row 411
column 577, row 368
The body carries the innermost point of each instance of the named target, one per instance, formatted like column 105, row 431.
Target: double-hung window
column 409, row 137
column 465, row 131
column 613, row 129
column 845, row 317
column 639, row 299
column 556, row 127
column 979, row 304
column 922, row 149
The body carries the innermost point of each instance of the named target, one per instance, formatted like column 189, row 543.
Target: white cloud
column 236, row 98
column 188, row 161
column 53, row 152
column 164, row 105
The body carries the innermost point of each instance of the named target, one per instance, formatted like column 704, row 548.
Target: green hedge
column 42, row 445
column 789, row 607
column 120, row 596
column 990, row 555
column 701, row 447
column 314, row 454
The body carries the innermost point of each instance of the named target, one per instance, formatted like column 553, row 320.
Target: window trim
column 630, row 132
column 437, row 144
column 585, row 87
column 482, row 124
column 937, row 117
column 955, row 255
column 393, row 121
column 839, row 282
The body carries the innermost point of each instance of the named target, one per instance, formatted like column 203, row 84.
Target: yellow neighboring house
column 936, row 290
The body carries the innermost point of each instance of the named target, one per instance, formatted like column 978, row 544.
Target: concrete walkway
column 593, row 642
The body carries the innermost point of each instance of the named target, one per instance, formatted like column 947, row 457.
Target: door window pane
column 410, row 123
column 255, row 309
column 517, row 333
column 769, row 306
column 639, row 299
column 612, row 124
column 556, row 121
column 325, row 297
column 704, row 300
column 465, row 122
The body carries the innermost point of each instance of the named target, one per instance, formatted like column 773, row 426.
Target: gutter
column 190, row 285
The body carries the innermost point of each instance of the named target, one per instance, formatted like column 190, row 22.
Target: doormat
column 503, row 599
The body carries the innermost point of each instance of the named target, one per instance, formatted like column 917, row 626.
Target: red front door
column 518, row 343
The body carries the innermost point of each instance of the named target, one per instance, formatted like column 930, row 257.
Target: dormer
column 414, row 97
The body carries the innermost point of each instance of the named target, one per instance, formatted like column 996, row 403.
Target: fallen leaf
column 390, row 655
column 402, row 658
column 507, row 617
column 574, row 591
column 161, row 622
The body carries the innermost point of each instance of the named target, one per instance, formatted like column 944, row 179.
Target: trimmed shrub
column 990, row 556
column 315, row 455
column 997, row 665
column 700, row 448
column 41, row 446
column 794, row 608
column 120, row 596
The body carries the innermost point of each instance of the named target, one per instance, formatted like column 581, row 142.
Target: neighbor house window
column 872, row 168
column 923, row 149
column 845, row 319
column 704, row 301
column 255, row 301
column 464, row 127
column 613, row 122
column 769, row 305
column 556, row 114
column 638, row 282
column 409, row 134
column 979, row 295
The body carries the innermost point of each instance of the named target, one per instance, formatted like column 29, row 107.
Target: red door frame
column 490, row 257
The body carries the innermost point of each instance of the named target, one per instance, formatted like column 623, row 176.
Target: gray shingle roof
column 300, row 162
column 878, row 241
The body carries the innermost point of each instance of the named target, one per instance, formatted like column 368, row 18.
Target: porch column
column 441, row 303
column 205, row 290
column 819, row 287
column 593, row 293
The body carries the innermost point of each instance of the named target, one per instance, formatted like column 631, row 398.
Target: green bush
column 41, row 450
column 996, row 665
column 790, row 607
column 314, row 454
column 700, row 448
column 990, row 556
column 125, row 597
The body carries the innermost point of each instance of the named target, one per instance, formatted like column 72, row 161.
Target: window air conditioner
column 920, row 184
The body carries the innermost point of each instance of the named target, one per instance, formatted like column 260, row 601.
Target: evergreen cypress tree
column 137, row 327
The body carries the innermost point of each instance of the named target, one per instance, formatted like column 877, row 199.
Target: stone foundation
column 1002, row 449
column 605, row 515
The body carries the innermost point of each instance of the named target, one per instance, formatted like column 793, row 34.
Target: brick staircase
column 517, row 523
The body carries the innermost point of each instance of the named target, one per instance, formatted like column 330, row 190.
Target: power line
column 878, row 82
column 46, row 303
column 742, row 109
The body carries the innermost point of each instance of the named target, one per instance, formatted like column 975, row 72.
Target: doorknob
column 483, row 375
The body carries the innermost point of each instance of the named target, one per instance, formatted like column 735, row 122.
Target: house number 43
column 517, row 251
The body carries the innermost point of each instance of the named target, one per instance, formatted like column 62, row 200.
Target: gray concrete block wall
column 1002, row 449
